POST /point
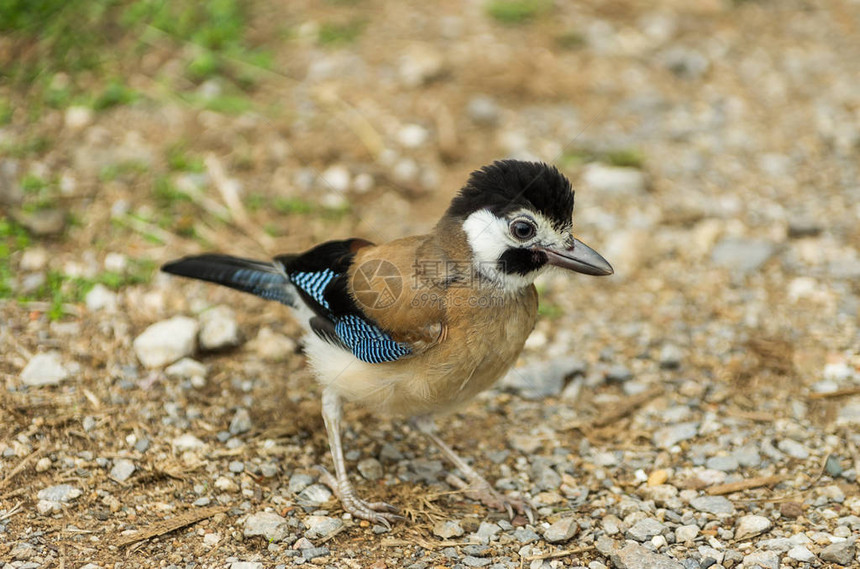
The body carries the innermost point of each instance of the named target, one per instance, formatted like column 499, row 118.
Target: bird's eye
column 523, row 230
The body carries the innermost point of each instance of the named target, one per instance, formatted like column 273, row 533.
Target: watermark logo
column 377, row 284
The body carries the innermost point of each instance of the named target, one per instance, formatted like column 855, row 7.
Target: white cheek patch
column 487, row 236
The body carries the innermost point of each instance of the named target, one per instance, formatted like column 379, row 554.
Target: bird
column 417, row 326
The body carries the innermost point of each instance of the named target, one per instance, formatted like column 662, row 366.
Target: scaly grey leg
column 378, row 512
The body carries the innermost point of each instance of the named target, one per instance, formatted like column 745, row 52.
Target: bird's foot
column 481, row 490
column 375, row 512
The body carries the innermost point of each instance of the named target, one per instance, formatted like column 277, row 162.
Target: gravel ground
column 698, row 409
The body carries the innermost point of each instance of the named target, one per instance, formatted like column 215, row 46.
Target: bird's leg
column 477, row 486
column 378, row 512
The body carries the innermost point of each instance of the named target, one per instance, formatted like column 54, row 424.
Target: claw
column 480, row 490
column 376, row 512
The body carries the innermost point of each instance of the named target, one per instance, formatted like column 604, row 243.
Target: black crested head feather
column 509, row 185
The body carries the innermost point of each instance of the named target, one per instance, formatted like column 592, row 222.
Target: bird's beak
column 580, row 258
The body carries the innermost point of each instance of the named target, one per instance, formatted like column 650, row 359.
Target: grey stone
column 763, row 559
column 751, row 526
column 486, row 532
column 241, row 422
column 246, row 565
column 167, row 341
column 448, row 529
column 44, row 369
column 267, row 524
column 717, row 505
column 793, row 449
column 801, row 553
column 59, row 493
column 742, row 255
column 269, row 469
column 236, row 466
column 645, row 529
column 314, row 552
column 833, row 466
column 722, row 463
column 561, row 531
column 122, row 469
column 841, row 552
column 670, row 356
column 541, row 379
column 370, row 469
column 321, row 526
column 747, row 455
column 314, row 495
column 218, row 329
column 483, row 110
column 618, row 374
column 545, row 477
column 634, row 556
column 525, row 535
column 671, row 435
column 471, row 561
column 299, row 481
column 476, row 550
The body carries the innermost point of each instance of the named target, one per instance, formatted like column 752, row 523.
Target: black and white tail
column 265, row 280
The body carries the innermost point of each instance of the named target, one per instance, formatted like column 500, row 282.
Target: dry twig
column 750, row 483
column 166, row 526
column 21, row 466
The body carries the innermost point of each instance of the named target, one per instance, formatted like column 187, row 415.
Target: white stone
column 78, row 117
column 115, row 262
column 751, row 526
column 337, row 178
column 320, row 527
column 101, row 298
column 218, row 329
column 187, row 368
column 272, row 346
column 447, row 529
column 613, row 179
column 561, row 531
column 412, row 135
column 122, row 469
column 420, row 64
column 33, row 259
column 44, row 369
column 686, row 534
column 267, row 524
column 166, row 341
column 801, row 553
column 187, row 442
column 226, row 484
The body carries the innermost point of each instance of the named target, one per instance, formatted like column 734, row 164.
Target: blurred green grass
column 78, row 52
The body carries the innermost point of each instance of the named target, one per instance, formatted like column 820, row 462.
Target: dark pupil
column 523, row 230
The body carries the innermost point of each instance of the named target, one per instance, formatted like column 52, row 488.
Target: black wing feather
column 255, row 277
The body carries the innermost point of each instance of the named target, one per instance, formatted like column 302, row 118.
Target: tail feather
column 259, row 278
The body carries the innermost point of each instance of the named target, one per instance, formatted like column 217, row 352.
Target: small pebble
column 448, row 529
